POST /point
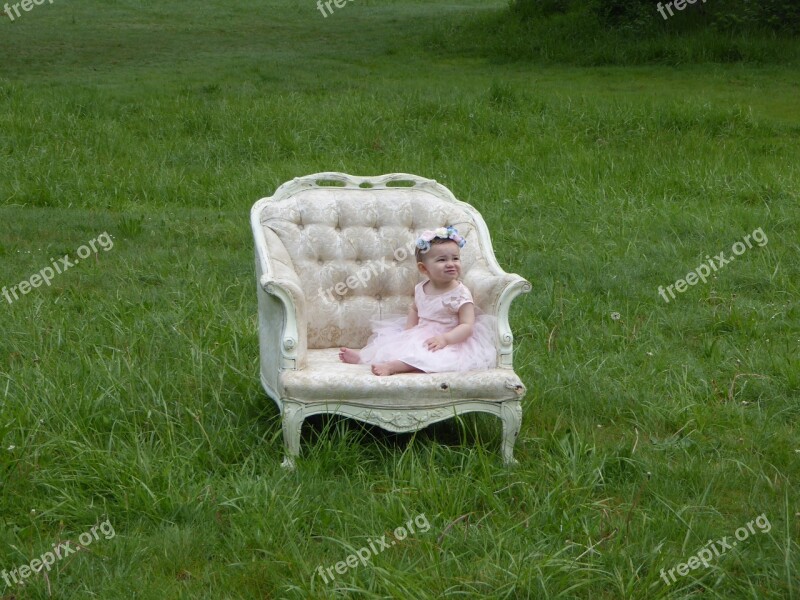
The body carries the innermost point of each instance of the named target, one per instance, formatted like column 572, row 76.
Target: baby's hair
column 419, row 253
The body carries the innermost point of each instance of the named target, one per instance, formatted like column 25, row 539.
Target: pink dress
column 438, row 314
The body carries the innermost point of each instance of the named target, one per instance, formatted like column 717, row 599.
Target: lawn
column 129, row 393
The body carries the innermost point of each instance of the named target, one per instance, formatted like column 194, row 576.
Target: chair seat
column 327, row 380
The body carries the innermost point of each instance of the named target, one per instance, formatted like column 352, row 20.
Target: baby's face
column 443, row 262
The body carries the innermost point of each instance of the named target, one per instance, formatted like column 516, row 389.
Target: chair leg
column 292, row 423
column 511, row 415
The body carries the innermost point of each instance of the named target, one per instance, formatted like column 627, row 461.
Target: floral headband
column 444, row 233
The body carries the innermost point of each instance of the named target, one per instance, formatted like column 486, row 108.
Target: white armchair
column 334, row 251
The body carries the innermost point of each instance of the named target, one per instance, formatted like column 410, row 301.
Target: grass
column 130, row 386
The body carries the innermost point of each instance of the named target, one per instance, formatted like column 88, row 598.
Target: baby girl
column 443, row 331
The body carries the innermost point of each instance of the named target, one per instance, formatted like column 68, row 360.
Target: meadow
column 129, row 389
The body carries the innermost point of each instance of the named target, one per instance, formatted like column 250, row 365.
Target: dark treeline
column 780, row 16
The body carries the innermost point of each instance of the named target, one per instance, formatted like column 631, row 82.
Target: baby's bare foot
column 349, row 356
column 393, row 367
column 383, row 369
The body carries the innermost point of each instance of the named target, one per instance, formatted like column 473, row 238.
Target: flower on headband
column 444, row 233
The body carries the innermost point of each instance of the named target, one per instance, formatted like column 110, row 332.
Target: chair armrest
column 493, row 293
column 282, row 313
column 293, row 338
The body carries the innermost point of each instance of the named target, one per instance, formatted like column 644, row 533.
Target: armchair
column 333, row 251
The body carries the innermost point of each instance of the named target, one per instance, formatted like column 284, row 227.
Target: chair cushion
column 327, row 379
column 353, row 252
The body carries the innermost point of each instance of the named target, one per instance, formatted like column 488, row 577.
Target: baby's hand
column 435, row 343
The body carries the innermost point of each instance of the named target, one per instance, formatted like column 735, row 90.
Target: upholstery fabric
column 363, row 242
column 327, row 379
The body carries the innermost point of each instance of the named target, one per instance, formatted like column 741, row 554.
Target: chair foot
column 511, row 414
column 292, row 423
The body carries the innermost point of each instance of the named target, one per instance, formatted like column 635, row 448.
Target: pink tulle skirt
column 390, row 341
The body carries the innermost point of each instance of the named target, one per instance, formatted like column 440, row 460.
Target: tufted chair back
column 352, row 247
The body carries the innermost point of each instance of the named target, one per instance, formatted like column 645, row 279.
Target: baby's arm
column 466, row 319
column 413, row 316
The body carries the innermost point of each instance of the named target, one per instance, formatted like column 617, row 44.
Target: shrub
column 780, row 16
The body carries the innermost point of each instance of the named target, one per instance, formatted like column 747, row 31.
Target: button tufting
column 358, row 261
column 378, row 297
column 299, row 226
column 337, row 228
column 320, row 261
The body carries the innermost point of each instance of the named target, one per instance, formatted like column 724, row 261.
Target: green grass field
column 129, row 387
